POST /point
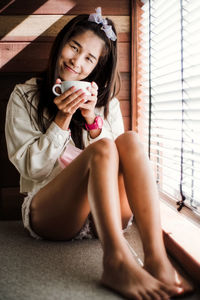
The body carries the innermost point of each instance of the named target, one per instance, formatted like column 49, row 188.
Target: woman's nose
column 76, row 61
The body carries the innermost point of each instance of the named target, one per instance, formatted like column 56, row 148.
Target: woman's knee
column 128, row 136
column 129, row 141
column 103, row 149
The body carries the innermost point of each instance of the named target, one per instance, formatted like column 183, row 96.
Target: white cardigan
column 35, row 154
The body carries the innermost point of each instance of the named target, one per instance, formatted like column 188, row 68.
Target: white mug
column 65, row 85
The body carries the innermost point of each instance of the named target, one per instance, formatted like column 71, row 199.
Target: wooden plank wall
column 27, row 30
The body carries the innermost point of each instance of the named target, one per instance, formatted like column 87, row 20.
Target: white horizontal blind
column 169, row 115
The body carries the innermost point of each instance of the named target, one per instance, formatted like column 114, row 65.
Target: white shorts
column 86, row 231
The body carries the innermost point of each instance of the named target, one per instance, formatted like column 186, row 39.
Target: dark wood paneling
column 3, row 104
column 111, row 7
column 124, row 57
column 24, row 57
column 122, row 37
column 8, row 174
column 32, row 57
column 125, row 86
column 9, row 80
column 127, row 123
column 125, row 108
column 10, row 203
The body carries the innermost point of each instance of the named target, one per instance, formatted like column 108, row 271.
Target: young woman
column 88, row 196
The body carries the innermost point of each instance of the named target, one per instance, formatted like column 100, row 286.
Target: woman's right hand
column 67, row 103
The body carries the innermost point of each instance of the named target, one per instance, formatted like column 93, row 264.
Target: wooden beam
column 43, row 7
column 45, row 28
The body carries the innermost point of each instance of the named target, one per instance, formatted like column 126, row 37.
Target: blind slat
column 169, row 94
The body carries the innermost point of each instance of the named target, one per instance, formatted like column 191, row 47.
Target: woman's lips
column 69, row 69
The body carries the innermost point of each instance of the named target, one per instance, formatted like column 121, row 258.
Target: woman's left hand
column 87, row 108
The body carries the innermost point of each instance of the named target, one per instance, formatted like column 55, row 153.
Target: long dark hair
column 105, row 74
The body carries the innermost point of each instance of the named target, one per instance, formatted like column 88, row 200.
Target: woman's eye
column 89, row 59
column 74, row 48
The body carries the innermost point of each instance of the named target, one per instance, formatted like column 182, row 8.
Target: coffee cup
column 65, row 85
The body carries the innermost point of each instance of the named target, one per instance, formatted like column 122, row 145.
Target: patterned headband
column 97, row 18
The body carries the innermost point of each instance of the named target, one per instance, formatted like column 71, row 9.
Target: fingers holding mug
column 70, row 100
column 73, row 105
column 72, row 94
column 94, row 89
column 63, row 97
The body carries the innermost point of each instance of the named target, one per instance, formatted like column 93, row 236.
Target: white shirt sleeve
column 113, row 126
column 32, row 152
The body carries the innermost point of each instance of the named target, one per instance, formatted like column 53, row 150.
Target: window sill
column 182, row 238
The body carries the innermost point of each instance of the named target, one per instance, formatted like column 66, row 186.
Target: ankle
column 110, row 244
column 154, row 249
column 152, row 257
column 116, row 254
column 112, row 258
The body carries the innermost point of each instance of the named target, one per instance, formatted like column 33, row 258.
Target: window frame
column 174, row 247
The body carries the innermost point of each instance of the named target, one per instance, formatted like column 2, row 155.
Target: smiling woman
column 96, row 194
column 26, row 36
column 80, row 56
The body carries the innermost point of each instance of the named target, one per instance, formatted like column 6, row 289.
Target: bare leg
column 58, row 211
column 144, row 202
column 121, row 272
column 126, row 212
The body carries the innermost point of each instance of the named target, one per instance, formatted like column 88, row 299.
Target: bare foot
column 122, row 274
column 163, row 270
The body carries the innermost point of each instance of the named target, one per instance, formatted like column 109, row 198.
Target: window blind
column 169, row 95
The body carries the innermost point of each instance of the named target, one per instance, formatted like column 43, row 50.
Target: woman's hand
column 87, row 108
column 67, row 103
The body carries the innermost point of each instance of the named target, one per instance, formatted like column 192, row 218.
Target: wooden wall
column 27, row 30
